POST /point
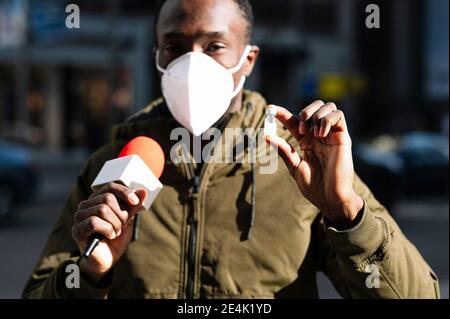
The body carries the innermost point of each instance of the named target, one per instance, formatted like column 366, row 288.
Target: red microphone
column 139, row 166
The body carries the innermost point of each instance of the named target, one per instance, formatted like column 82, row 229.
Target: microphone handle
column 95, row 239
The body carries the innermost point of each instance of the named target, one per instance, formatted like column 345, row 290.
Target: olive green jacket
column 193, row 242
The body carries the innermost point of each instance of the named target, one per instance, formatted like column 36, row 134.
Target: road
column 425, row 223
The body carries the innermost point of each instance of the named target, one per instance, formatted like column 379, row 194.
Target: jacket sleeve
column 374, row 259
column 53, row 277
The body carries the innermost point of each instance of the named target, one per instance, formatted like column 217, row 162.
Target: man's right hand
column 110, row 212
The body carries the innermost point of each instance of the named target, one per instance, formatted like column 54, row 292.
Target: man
column 207, row 235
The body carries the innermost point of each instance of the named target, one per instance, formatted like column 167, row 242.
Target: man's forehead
column 173, row 32
column 215, row 18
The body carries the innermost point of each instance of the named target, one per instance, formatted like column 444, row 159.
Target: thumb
column 135, row 209
column 289, row 155
column 142, row 195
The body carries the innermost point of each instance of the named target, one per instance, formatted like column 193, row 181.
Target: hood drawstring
column 137, row 221
column 253, row 213
column 252, row 158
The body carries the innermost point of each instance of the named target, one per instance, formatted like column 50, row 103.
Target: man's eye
column 214, row 47
column 172, row 48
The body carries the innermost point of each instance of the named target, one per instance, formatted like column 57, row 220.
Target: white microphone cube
column 132, row 172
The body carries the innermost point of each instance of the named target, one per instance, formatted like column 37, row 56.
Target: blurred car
column 426, row 158
column 380, row 168
column 415, row 165
column 18, row 180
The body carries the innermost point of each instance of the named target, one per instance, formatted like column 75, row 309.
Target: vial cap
column 271, row 111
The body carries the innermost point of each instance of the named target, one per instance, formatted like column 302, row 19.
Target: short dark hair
column 244, row 5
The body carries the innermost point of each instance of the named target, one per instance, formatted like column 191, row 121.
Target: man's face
column 213, row 27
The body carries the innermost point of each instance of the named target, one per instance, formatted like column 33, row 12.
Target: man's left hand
column 324, row 169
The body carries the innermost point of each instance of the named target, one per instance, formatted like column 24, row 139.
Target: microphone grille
column 148, row 150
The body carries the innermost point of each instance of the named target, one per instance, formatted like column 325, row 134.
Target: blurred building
column 62, row 88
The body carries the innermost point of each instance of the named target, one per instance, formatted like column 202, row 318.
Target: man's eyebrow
column 212, row 34
column 215, row 34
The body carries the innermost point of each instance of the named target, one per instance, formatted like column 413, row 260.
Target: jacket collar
column 156, row 121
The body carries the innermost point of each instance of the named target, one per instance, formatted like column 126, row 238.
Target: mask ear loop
column 239, row 87
column 247, row 51
column 160, row 69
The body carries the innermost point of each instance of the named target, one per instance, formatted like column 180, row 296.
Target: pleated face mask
column 198, row 90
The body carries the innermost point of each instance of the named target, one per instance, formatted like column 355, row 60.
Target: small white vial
column 270, row 124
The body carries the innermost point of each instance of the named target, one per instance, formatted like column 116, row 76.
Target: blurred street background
column 62, row 89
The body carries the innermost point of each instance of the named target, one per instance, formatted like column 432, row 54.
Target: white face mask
column 198, row 90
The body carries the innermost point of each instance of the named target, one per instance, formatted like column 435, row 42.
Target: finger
column 121, row 191
column 320, row 114
column 289, row 120
column 102, row 211
column 289, row 155
column 334, row 121
column 91, row 225
column 110, row 200
column 306, row 114
column 142, row 195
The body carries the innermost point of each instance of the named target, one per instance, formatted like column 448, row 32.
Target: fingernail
column 316, row 131
column 302, row 128
column 321, row 131
column 133, row 198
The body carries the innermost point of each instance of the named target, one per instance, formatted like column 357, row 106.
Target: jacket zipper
column 192, row 222
column 192, row 241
